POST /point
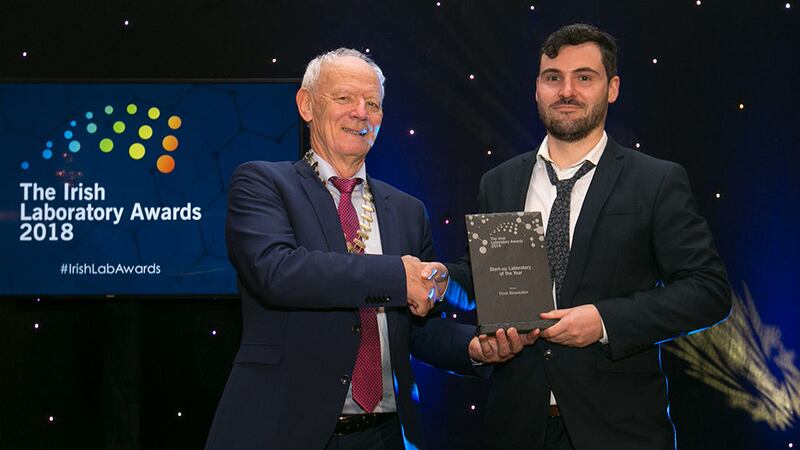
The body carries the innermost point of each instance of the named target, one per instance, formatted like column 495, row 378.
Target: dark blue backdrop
column 719, row 98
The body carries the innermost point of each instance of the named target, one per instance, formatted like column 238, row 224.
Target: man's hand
column 425, row 283
column 500, row 347
column 437, row 273
column 578, row 327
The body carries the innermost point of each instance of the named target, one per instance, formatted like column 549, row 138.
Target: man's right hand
column 423, row 289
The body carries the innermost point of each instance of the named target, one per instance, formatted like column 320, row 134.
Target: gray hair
column 315, row 65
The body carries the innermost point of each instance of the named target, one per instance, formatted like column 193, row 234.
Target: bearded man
column 633, row 265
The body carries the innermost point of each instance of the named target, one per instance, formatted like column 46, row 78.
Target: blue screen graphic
column 120, row 188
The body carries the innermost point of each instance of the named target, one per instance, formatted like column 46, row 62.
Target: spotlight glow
column 411, row 132
column 274, row 60
column 471, row 76
column 655, row 60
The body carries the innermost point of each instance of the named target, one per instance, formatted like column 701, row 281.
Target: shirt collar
column 326, row 171
column 594, row 154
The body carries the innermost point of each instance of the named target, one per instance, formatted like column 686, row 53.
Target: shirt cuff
column 604, row 339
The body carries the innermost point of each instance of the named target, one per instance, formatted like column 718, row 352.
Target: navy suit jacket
column 642, row 254
column 301, row 292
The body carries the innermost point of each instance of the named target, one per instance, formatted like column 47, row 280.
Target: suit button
column 548, row 354
column 356, row 328
column 345, row 379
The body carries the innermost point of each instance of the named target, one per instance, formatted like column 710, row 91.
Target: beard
column 572, row 130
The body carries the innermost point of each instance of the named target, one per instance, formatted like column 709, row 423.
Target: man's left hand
column 577, row 327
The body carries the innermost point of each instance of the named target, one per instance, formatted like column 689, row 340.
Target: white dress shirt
column 387, row 404
column 542, row 193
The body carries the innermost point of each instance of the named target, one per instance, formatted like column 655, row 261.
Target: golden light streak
column 745, row 360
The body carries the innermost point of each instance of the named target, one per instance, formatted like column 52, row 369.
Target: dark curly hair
column 579, row 33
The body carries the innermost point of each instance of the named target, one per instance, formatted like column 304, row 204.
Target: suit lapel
column 323, row 206
column 390, row 238
column 607, row 171
column 522, row 180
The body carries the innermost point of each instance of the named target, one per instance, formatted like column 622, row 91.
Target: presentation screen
column 119, row 188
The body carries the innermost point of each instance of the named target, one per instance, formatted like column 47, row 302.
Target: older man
column 327, row 301
column 632, row 261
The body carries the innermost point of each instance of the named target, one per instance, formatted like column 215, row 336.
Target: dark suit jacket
column 646, row 259
column 300, row 294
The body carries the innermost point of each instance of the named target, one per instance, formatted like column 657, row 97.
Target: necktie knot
column 569, row 182
column 345, row 185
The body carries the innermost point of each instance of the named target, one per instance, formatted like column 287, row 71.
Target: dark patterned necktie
column 557, row 235
column 367, row 375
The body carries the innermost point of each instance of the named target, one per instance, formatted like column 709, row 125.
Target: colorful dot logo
column 109, row 130
column 145, row 132
column 106, row 145
column 136, row 151
column 165, row 164
column 170, row 143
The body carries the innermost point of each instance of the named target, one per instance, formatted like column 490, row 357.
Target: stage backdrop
column 706, row 83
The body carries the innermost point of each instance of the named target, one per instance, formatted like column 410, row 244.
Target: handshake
column 426, row 283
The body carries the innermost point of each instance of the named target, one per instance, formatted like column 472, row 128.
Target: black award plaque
column 510, row 271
